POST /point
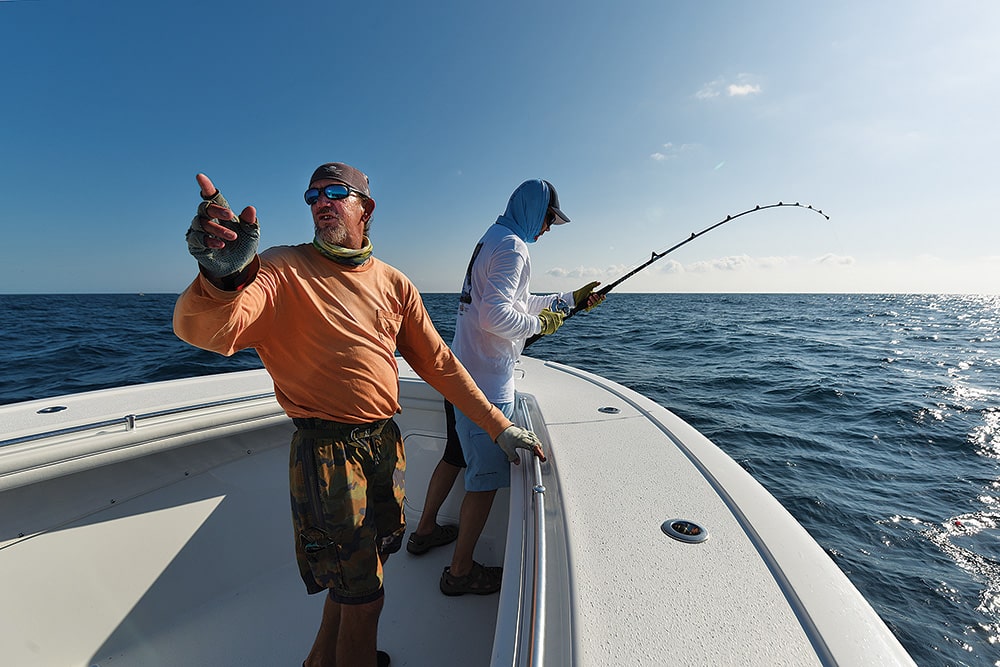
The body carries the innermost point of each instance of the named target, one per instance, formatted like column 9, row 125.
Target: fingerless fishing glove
column 581, row 295
column 551, row 320
column 236, row 254
column 514, row 438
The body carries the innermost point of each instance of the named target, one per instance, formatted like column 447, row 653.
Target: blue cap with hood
column 526, row 210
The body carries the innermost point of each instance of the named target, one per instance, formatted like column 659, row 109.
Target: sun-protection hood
column 526, row 210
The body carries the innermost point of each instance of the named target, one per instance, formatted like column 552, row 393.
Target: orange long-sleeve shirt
column 327, row 334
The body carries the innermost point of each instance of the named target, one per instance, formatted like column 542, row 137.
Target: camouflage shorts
column 347, row 493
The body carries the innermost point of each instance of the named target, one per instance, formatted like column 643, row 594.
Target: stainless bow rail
column 129, row 421
column 536, row 638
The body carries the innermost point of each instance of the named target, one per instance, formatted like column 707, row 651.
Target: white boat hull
column 165, row 539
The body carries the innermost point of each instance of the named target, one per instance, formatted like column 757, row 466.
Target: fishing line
column 657, row 256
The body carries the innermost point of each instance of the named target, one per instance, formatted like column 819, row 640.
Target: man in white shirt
column 496, row 314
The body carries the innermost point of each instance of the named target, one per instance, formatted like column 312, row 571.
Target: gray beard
column 334, row 235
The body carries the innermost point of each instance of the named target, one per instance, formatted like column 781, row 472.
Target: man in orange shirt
column 326, row 319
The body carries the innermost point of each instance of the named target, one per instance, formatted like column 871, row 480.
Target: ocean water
column 875, row 419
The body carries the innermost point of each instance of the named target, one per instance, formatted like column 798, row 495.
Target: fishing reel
column 560, row 305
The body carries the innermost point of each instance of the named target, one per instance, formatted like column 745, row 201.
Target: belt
column 314, row 427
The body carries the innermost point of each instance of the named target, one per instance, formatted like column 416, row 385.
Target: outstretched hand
column 221, row 242
column 216, row 234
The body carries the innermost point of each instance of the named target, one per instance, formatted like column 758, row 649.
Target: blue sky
column 653, row 119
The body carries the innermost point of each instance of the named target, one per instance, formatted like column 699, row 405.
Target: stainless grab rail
column 536, row 640
column 129, row 421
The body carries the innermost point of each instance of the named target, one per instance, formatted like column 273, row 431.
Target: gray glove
column 514, row 437
column 236, row 254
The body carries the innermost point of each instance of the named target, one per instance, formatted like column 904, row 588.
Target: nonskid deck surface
column 759, row 591
column 420, row 625
column 201, row 571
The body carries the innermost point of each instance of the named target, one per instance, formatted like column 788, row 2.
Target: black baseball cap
column 561, row 218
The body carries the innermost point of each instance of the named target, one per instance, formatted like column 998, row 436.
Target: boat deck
column 164, row 539
column 185, row 557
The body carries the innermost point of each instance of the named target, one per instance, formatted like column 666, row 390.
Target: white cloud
column 735, row 90
column 837, row 260
column 743, row 87
column 731, row 263
column 672, row 266
column 827, row 273
column 579, row 272
column 669, row 151
column 718, row 266
column 772, row 262
column 710, row 90
column 821, row 274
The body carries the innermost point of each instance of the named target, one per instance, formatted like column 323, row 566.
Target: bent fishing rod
column 657, row 256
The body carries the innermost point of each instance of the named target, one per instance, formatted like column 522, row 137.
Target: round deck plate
column 684, row 530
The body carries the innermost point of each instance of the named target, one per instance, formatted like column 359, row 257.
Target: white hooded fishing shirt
column 496, row 312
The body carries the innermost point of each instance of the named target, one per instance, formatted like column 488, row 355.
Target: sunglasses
column 331, row 192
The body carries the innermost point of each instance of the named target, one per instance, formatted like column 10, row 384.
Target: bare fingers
column 205, row 183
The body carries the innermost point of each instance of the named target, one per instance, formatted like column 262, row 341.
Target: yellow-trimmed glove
column 551, row 320
column 584, row 298
column 514, row 438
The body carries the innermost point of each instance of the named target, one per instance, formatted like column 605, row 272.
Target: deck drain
column 609, row 410
column 684, row 530
column 54, row 408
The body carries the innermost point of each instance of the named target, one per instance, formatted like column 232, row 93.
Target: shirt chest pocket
column 387, row 324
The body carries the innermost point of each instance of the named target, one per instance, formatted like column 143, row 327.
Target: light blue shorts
column 487, row 466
